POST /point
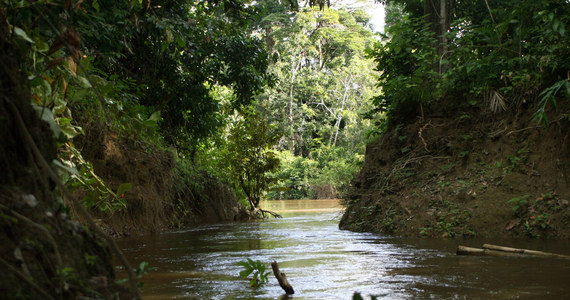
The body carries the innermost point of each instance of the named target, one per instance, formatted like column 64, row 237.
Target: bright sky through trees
column 374, row 9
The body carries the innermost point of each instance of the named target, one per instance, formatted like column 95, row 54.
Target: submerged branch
column 282, row 279
column 494, row 250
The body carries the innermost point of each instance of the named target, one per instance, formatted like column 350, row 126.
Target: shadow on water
column 323, row 262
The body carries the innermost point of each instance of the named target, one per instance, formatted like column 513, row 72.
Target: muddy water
column 323, row 262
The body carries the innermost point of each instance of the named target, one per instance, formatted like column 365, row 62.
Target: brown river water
column 323, row 262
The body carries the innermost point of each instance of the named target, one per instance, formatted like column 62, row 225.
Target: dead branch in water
column 524, row 251
column 282, row 279
column 263, row 212
column 494, row 250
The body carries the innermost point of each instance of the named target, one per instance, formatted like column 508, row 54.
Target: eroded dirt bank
column 164, row 194
column 44, row 254
column 467, row 172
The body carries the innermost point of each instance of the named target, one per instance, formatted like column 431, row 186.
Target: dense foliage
column 325, row 85
column 508, row 52
column 150, row 73
column 233, row 85
column 312, row 115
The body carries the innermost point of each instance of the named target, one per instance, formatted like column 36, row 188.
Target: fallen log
column 524, row 251
column 464, row 250
column 494, row 250
column 282, row 279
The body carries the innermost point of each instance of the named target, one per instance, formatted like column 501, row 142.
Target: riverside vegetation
column 476, row 138
column 157, row 116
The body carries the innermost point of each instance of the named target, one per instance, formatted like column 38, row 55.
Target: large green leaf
column 124, row 187
column 245, row 273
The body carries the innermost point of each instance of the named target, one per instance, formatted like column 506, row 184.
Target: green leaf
column 69, row 130
column 84, row 82
column 142, row 267
column 47, row 116
column 22, row 34
column 124, row 187
column 70, row 170
column 357, row 296
column 155, row 117
column 561, row 29
column 245, row 273
column 555, row 25
column 250, row 261
column 95, row 5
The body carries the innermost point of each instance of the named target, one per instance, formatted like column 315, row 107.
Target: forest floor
column 465, row 173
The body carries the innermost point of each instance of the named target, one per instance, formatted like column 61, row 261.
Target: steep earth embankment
column 163, row 195
column 43, row 253
column 464, row 173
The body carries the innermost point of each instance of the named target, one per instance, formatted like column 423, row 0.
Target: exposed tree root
column 273, row 214
column 262, row 212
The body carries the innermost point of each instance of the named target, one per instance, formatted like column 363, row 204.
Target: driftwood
column 282, row 279
column 494, row 250
column 464, row 250
column 524, row 251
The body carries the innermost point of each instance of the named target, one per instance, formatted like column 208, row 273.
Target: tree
column 250, row 157
column 495, row 51
column 133, row 68
column 325, row 83
column 319, row 66
column 176, row 53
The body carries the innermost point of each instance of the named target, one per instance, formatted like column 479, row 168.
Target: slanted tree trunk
column 282, row 279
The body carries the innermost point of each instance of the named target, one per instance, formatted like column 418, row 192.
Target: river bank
column 466, row 173
column 167, row 192
column 44, row 254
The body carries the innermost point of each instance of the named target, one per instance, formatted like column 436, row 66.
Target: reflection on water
column 323, row 262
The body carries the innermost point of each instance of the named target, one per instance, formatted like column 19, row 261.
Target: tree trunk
column 295, row 66
column 437, row 16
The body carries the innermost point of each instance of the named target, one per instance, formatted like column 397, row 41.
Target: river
column 323, row 262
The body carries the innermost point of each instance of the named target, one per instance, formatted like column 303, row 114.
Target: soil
column 466, row 172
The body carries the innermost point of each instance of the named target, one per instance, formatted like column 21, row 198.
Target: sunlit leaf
column 22, row 34
column 245, row 273
column 72, row 65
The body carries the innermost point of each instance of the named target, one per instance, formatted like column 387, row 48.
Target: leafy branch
column 256, row 269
